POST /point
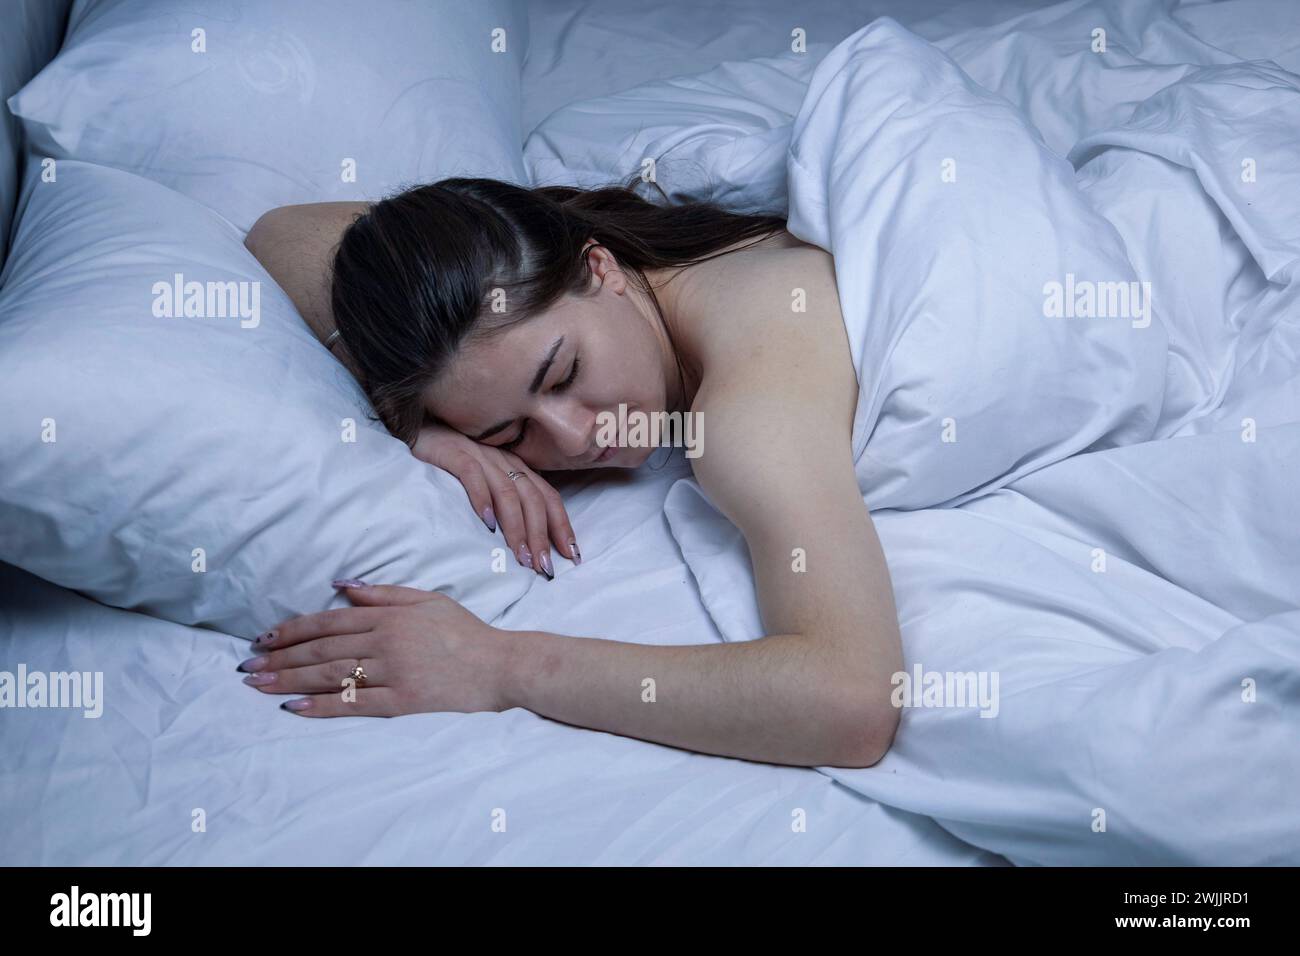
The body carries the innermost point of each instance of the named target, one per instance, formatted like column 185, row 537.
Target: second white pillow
column 248, row 106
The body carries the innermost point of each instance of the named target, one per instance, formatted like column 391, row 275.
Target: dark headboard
column 32, row 33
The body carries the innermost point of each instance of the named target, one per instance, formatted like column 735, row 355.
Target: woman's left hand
column 420, row 651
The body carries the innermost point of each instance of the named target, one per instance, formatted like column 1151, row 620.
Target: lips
column 608, row 451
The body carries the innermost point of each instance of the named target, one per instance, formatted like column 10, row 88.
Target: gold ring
column 358, row 674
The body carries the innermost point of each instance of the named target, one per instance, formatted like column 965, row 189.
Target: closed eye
column 557, row 387
column 518, row 440
column 561, row 386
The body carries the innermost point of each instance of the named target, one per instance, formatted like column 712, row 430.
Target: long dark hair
column 424, row 269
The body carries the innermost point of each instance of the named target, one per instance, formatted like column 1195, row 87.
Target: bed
column 135, row 582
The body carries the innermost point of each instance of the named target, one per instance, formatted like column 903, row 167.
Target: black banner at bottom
column 306, row 904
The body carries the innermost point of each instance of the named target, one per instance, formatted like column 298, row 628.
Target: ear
column 604, row 267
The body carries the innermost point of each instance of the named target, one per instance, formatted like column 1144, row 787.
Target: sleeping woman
column 494, row 329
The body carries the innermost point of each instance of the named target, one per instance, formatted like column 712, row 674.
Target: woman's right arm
column 529, row 510
column 296, row 245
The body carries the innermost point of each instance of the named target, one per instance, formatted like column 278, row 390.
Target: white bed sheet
column 181, row 732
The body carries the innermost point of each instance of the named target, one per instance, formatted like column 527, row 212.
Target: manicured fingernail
column 489, row 518
column 264, row 639
column 259, row 680
column 350, row 583
column 301, row 704
column 574, row 553
column 525, row 556
column 545, row 561
column 253, row 664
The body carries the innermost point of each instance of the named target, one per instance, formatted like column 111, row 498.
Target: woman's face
column 538, row 388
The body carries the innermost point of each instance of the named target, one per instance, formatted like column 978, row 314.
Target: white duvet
column 1085, row 497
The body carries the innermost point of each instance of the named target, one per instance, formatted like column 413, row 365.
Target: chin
column 637, row 456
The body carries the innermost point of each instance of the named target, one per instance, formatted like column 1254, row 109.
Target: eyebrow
column 532, row 389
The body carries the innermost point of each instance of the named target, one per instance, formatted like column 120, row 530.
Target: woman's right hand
column 530, row 511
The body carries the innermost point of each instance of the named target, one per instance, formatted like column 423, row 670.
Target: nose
column 572, row 429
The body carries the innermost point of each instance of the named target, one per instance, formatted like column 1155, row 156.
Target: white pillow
column 285, row 96
column 720, row 136
column 130, row 440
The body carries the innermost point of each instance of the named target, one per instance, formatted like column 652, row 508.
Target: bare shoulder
column 777, row 384
column 332, row 217
column 296, row 245
column 771, row 304
column 311, row 225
